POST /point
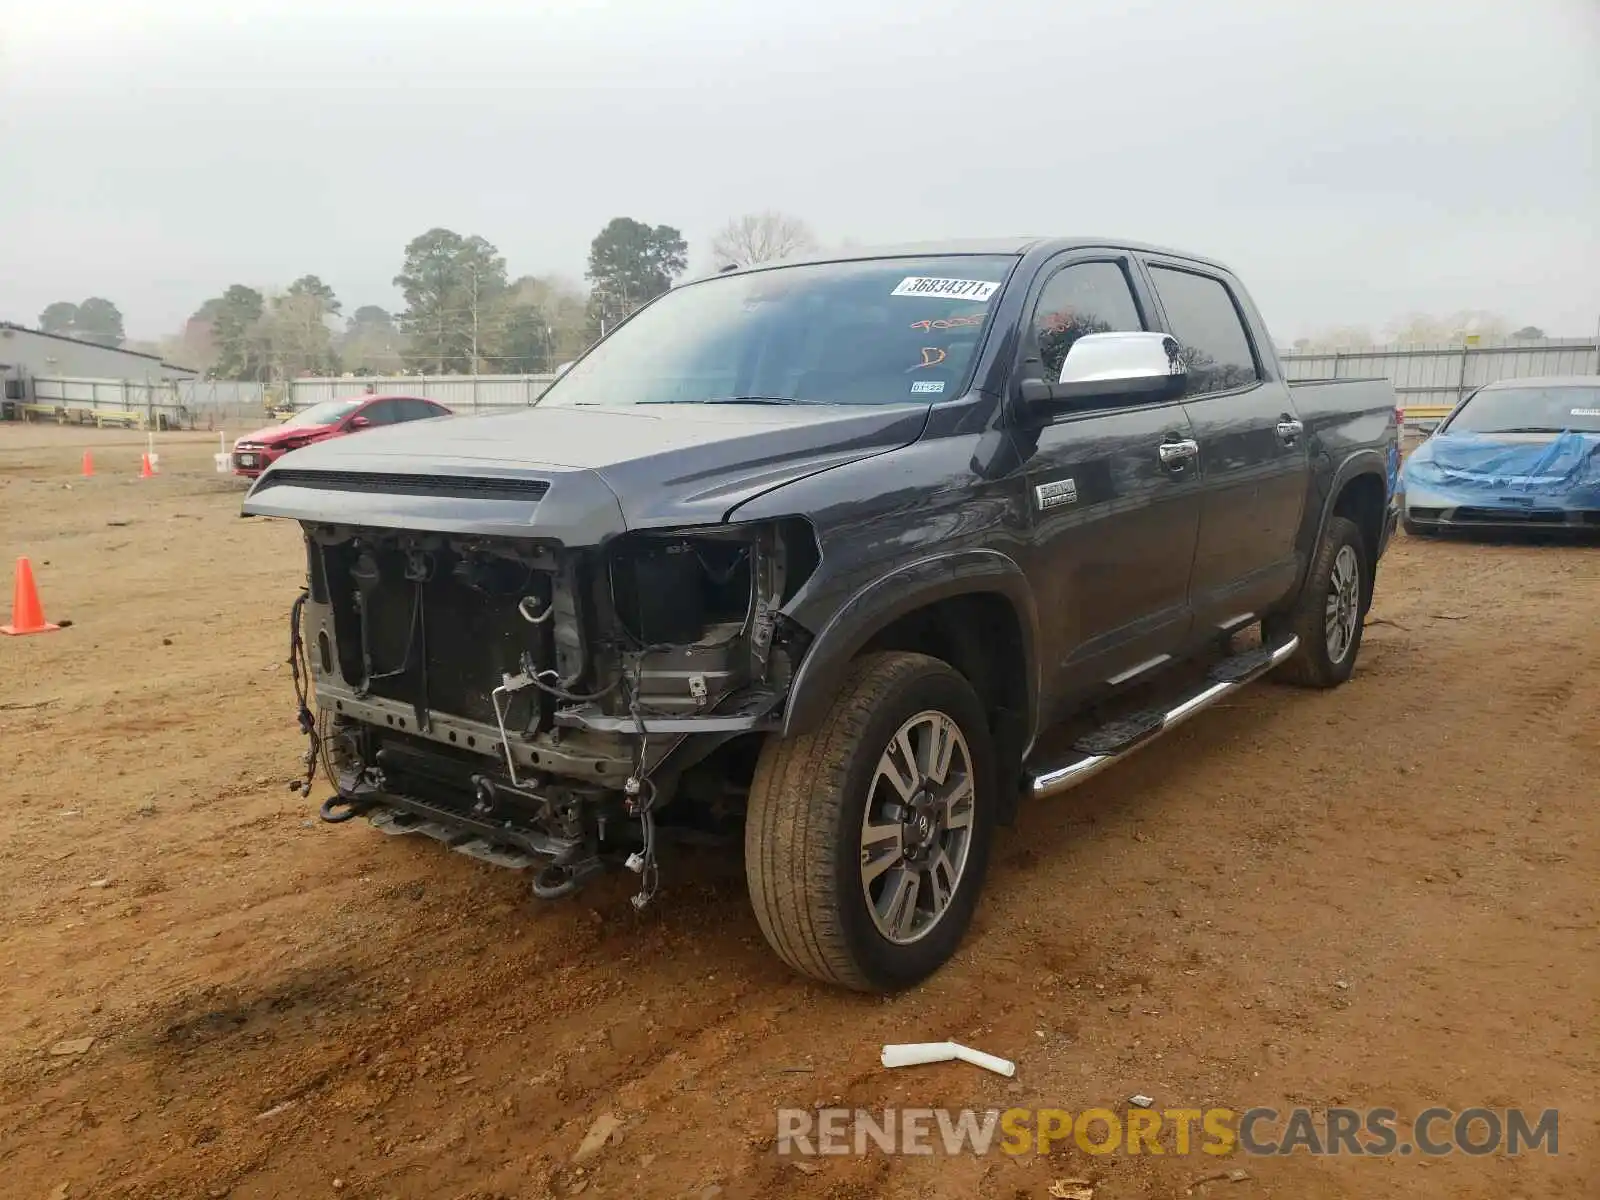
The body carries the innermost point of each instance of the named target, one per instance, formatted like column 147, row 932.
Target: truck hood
column 575, row 474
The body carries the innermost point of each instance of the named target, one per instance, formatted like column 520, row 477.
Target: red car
column 257, row 451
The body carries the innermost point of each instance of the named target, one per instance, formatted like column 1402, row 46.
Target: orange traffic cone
column 27, row 615
column 144, row 467
column 88, row 464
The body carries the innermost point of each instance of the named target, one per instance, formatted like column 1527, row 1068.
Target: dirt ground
column 1383, row 895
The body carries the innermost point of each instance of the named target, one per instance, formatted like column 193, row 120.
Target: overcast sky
column 1352, row 161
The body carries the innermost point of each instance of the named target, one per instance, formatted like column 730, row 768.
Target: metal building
column 25, row 353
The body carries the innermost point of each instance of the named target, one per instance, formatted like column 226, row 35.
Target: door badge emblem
column 1056, row 493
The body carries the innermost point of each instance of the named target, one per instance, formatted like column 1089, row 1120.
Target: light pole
column 474, row 367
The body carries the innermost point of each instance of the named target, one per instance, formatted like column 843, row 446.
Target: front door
column 1114, row 521
column 1253, row 463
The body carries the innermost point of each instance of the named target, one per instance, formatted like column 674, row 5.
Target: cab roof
column 1015, row 246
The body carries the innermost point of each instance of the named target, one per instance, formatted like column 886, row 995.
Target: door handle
column 1177, row 455
column 1289, row 429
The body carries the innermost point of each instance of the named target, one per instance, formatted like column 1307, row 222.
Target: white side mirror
column 1102, row 357
column 1105, row 366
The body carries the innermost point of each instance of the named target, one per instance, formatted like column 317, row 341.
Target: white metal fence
column 214, row 403
column 169, row 404
column 461, row 393
column 219, row 403
column 1423, row 376
column 1429, row 376
column 108, row 395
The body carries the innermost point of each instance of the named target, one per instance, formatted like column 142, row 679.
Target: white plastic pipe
column 915, row 1054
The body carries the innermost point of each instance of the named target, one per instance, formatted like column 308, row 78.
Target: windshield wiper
column 702, row 400
column 754, row 400
column 1522, row 429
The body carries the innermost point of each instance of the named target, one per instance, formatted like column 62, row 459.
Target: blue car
column 1517, row 454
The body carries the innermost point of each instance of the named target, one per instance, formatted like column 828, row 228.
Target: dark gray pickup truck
column 823, row 556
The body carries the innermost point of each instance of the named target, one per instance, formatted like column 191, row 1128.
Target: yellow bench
column 82, row 414
column 1427, row 414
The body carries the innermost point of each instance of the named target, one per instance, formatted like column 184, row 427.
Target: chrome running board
column 1116, row 741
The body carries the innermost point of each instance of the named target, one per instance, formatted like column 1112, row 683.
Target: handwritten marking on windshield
column 946, row 323
column 932, row 356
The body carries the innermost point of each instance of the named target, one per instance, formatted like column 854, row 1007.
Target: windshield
column 1530, row 410
column 880, row 331
column 329, row 412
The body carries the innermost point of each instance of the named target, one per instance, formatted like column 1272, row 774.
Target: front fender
column 889, row 597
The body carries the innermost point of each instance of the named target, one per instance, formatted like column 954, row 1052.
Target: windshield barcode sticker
column 945, row 289
column 1586, row 412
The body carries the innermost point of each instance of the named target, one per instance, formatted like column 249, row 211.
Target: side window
column 1204, row 319
column 384, row 412
column 1090, row 297
column 416, row 410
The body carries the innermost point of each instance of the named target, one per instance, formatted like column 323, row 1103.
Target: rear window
column 419, row 410
column 1204, row 319
column 877, row 331
column 1530, row 410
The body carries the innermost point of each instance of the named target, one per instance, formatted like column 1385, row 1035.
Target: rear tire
column 1330, row 612
column 863, row 872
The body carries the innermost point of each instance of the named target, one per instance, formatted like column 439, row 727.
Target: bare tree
column 295, row 333
column 1423, row 328
column 540, row 323
column 370, row 343
column 761, row 237
column 1339, row 337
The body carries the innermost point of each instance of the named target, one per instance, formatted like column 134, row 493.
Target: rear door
column 382, row 412
column 419, row 410
column 1254, row 469
column 1113, row 526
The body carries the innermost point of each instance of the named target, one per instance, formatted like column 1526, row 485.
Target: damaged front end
column 537, row 705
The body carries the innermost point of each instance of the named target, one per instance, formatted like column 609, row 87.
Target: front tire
column 1329, row 615
column 867, row 841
